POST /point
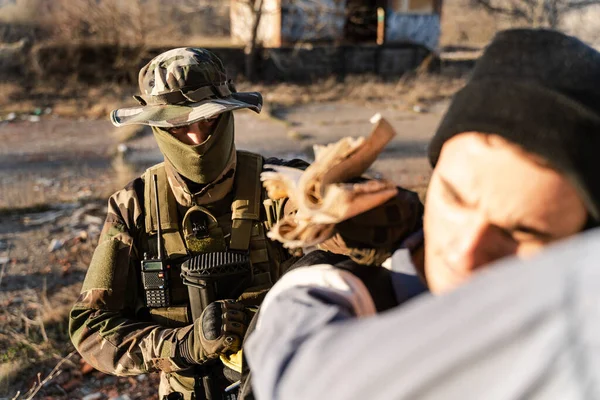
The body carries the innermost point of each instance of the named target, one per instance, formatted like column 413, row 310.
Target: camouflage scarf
column 202, row 163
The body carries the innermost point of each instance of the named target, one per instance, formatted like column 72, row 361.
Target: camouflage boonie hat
column 183, row 86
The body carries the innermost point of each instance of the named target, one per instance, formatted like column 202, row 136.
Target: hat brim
column 169, row 116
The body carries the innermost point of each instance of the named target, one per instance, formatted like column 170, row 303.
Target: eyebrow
column 452, row 190
column 519, row 227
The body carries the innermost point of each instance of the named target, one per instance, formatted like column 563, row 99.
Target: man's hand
column 219, row 330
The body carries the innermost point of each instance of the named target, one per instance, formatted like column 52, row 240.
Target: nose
column 199, row 127
column 476, row 244
column 202, row 128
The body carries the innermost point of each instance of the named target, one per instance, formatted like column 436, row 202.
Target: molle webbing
column 247, row 230
column 173, row 242
column 246, row 204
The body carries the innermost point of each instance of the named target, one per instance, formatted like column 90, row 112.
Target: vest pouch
column 171, row 317
column 201, row 231
column 215, row 276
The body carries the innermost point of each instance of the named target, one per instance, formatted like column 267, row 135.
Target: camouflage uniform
column 110, row 324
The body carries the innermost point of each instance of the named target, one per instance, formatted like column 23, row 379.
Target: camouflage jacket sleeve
column 103, row 324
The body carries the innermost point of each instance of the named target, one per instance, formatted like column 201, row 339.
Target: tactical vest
column 248, row 233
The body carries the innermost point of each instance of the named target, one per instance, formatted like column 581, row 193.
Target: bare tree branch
column 494, row 9
column 250, row 49
column 577, row 5
column 548, row 13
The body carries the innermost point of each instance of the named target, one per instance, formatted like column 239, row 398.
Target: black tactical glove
column 219, row 330
column 371, row 237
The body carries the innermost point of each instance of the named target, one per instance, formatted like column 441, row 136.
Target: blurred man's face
column 488, row 199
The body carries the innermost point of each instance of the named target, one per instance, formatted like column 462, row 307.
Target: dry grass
column 31, row 192
column 35, row 334
column 70, row 99
column 406, row 92
column 9, row 90
column 22, row 193
column 73, row 100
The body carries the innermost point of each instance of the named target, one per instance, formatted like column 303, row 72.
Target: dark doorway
column 361, row 23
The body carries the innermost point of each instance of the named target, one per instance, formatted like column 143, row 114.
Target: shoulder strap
column 245, row 208
column 169, row 223
column 377, row 279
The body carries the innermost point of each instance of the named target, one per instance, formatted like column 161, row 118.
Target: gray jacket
column 520, row 330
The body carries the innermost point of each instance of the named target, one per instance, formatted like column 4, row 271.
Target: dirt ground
column 56, row 172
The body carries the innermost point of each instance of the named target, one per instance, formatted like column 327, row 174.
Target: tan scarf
column 202, row 163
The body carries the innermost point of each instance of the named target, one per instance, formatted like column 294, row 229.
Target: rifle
column 210, row 277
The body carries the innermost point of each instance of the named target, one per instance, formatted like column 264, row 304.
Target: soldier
column 209, row 199
column 206, row 197
column 515, row 169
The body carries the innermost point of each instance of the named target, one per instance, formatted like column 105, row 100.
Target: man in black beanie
column 515, row 169
column 515, row 157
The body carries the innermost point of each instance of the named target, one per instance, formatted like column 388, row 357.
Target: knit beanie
column 539, row 89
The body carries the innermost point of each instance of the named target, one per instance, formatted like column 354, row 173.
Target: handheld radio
column 155, row 272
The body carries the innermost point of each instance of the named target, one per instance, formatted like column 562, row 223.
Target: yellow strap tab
column 233, row 361
column 246, row 204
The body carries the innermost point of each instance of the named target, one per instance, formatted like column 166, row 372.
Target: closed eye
column 451, row 194
column 523, row 233
column 176, row 130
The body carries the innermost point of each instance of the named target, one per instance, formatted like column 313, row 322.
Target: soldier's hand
column 222, row 327
column 371, row 237
column 219, row 330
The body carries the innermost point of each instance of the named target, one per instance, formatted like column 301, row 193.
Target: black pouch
column 215, row 276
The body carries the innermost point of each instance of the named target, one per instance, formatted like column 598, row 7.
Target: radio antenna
column 158, row 227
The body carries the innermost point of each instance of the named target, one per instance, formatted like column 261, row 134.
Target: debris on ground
column 55, row 244
column 77, row 222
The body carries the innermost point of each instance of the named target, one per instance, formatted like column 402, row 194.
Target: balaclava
column 202, row 163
